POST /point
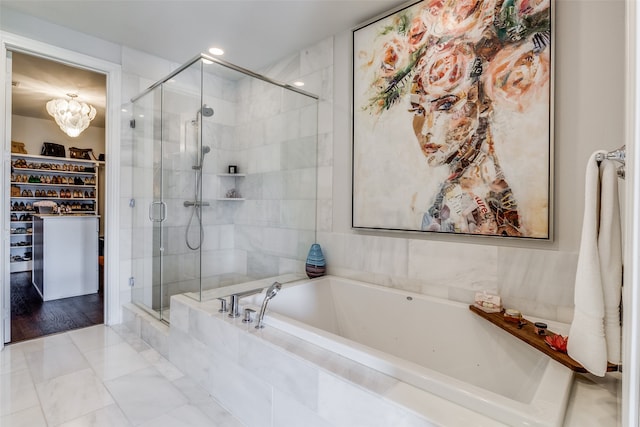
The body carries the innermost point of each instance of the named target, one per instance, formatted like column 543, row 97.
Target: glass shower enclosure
column 223, row 171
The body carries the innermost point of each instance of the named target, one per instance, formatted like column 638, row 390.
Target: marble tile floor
column 100, row 377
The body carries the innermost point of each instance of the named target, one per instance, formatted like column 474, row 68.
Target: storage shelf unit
column 71, row 183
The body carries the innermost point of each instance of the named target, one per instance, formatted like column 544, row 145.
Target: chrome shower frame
column 204, row 56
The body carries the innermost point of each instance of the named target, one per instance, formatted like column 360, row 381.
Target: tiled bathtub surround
column 269, row 378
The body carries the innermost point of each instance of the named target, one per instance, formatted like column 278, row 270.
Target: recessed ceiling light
column 216, row 51
column 298, row 83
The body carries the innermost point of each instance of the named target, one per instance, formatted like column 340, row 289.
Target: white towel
column 610, row 254
column 598, row 275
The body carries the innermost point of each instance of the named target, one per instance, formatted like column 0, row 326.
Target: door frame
column 113, row 73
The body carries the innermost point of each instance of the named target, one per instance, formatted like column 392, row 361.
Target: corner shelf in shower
column 527, row 334
column 222, row 189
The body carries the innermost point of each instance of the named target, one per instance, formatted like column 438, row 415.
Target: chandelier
column 72, row 116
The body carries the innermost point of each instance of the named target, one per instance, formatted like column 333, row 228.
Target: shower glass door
column 167, row 159
column 181, row 185
column 146, row 124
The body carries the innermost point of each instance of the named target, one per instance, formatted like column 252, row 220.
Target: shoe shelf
column 52, row 198
column 71, row 183
column 21, row 246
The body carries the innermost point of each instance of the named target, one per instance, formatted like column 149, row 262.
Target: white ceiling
column 36, row 81
column 253, row 33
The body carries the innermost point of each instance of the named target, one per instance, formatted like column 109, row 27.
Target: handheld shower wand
column 271, row 292
column 197, row 204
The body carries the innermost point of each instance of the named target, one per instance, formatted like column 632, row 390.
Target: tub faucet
column 234, row 310
column 271, row 292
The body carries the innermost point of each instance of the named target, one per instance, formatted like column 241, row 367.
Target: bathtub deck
column 527, row 334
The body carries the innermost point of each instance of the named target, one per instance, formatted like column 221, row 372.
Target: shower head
column 205, row 149
column 272, row 290
column 206, row 111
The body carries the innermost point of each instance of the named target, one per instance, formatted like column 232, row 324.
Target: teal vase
column 316, row 265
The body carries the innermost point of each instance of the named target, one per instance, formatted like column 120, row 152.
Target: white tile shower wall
column 276, row 148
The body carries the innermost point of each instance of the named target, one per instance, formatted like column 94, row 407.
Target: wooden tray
column 527, row 334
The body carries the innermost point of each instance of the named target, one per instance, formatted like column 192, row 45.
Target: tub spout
column 271, row 292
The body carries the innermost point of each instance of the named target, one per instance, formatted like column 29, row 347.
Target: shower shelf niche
column 224, row 185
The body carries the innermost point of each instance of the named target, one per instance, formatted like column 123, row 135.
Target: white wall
column 33, row 132
column 535, row 276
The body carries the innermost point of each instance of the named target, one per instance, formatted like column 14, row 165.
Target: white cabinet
column 65, row 255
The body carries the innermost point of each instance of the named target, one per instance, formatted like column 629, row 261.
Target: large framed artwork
column 452, row 119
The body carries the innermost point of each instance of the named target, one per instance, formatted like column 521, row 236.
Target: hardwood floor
column 31, row 317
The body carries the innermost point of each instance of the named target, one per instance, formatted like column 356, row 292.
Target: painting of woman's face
column 444, row 124
column 443, row 101
column 472, row 77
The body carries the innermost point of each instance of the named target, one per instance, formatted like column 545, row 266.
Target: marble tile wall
column 533, row 276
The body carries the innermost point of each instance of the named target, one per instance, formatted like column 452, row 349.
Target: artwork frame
column 452, row 119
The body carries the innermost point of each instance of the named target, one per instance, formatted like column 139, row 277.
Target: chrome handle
column 223, row 306
column 234, row 306
column 163, row 211
column 247, row 315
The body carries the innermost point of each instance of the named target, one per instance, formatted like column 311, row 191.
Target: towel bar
column 618, row 155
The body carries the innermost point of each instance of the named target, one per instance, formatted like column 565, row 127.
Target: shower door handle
column 152, row 210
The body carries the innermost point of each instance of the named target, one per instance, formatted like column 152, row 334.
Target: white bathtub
column 436, row 345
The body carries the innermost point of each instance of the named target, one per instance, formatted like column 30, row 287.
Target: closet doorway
column 55, row 259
